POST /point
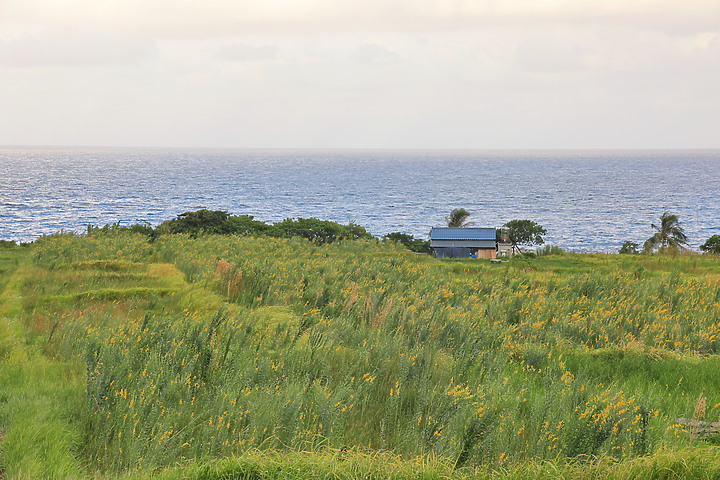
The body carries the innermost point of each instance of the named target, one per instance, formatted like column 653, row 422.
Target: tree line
column 220, row 222
column 668, row 236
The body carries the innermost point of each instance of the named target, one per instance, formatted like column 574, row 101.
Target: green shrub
column 629, row 247
column 711, row 245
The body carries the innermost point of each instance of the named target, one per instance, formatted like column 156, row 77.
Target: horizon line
column 372, row 149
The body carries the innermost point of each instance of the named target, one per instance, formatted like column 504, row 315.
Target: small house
column 463, row 242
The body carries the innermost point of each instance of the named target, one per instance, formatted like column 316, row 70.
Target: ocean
column 589, row 201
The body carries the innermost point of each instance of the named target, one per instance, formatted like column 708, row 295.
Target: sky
column 445, row 74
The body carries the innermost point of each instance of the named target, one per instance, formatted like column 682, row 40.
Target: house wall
column 462, row 252
column 486, row 253
column 504, row 250
column 452, row 252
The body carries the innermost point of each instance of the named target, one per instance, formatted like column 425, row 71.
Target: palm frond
column 458, row 218
column 668, row 234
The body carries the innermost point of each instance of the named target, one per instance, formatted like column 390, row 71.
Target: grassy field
column 222, row 357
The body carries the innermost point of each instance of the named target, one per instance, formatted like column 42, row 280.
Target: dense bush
column 711, row 245
column 525, row 232
column 219, row 222
column 208, row 222
column 629, row 248
column 413, row 244
column 320, row 231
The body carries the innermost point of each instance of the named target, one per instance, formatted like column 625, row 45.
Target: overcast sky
column 361, row 73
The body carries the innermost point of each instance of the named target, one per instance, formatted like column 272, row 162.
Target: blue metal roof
column 462, row 233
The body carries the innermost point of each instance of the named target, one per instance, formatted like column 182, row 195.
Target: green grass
column 38, row 398
column 38, row 415
column 223, row 357
column 357, row 465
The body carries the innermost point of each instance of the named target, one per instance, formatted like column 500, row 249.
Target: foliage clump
column 525, row 232
column 711, row 245
column 320, row 231
column 219, row 222
column 413, row 244
column 629, row 248
column 212, row 222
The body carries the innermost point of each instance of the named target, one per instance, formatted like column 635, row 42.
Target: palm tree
column 668, row 235
column 458, row 218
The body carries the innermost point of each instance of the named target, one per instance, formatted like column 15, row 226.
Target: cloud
column 221, row 18
column 374, row 54
column 551, row 51
column 74, row 49
column 247, row 53
column 305, row 72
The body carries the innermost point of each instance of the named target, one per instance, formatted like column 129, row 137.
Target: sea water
column 587, row 201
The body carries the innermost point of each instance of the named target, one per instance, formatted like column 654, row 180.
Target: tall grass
column 684, row 464
column 38, row 438
column 280, row 344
